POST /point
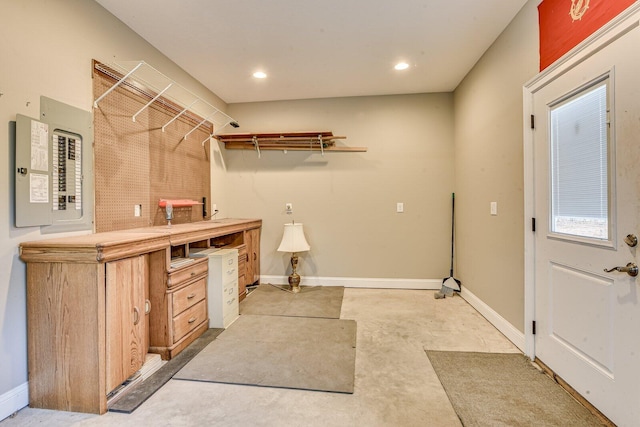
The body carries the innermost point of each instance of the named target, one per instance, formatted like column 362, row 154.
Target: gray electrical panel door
column 33, row 186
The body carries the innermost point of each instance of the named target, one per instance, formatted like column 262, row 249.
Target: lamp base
column 294, row 278
column 294, row 282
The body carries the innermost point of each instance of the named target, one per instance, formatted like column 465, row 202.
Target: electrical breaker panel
column 54, row 169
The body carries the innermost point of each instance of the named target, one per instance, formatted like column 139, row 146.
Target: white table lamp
column 293, row 241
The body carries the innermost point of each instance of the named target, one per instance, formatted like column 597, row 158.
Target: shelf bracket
column 207, row 139
column 256, row 145
column 112, row 88
column 151, row 102
column 321, row 145
column 197, row 126
column 179, row 114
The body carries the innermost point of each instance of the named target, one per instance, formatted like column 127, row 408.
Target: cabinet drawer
column 230, row 290
column 242, row 264
column 242, row 259
column 189, row 296
column 188, row 320
column 242, row 253
column 229, row 269
column 191, row 271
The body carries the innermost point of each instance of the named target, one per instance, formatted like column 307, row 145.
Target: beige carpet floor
column 498, row 389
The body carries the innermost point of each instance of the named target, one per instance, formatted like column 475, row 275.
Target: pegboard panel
column 138, row 164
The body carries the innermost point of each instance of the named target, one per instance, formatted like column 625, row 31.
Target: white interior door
column 587, row 182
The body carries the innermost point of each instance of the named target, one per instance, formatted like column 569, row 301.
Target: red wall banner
column 565, row 23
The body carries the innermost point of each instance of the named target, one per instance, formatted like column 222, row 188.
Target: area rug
column 277, row 351
column 318, row 301
column 495, row 389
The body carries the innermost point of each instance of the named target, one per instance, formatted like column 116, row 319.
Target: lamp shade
column 293, row 239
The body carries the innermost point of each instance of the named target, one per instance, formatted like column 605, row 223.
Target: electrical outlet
column 400, row 207
column 214, row 208
column 137, row 210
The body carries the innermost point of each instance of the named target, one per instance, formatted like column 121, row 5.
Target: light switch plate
column 494, row 208
column 400, row 207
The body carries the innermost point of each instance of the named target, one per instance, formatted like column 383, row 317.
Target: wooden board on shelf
column 276, row 136
column 296, row 147
column 295, row 141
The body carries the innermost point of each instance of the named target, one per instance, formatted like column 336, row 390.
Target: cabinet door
column 126, row 284
column 252, row 239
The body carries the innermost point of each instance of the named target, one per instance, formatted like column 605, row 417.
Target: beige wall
column 489, row 167
column 46, row 49
column 347, row 201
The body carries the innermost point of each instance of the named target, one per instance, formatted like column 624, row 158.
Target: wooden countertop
column 112, row 245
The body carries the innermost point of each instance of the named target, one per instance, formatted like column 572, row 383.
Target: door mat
column 140, row 392
column 276, row 351
column 312, row 301
column 496, row 389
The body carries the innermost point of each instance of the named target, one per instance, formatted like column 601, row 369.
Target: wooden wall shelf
column 283, row 141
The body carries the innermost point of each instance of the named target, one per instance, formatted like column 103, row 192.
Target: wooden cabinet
column 252, row 238
column 179, row 308
column 242, row 271
column 87, row 324
column 66, row 336
column 81, row 294
column 127, row 285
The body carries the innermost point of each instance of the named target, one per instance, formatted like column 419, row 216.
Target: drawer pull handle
column 191, row 295
column 136, row 315
column 193, row 319
column 147, row 306
column 230, row 261
column 193, row 273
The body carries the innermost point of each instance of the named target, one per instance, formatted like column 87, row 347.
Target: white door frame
column 623, row 23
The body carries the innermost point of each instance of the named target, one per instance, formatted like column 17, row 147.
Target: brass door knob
column 631, row 269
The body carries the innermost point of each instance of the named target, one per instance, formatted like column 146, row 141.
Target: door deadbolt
column 631, row 269
column 631, row 240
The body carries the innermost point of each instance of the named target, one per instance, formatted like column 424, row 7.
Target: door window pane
column 579, row 160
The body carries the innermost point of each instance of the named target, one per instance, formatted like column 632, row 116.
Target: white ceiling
column 321, row 48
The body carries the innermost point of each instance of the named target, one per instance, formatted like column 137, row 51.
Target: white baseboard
column 507, row 329
column 14, row 400
column 358, row 282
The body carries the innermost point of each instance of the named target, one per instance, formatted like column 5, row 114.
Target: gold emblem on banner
column 578, row 9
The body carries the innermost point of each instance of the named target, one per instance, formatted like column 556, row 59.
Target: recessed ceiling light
column 401, row 66
column 260, row 75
